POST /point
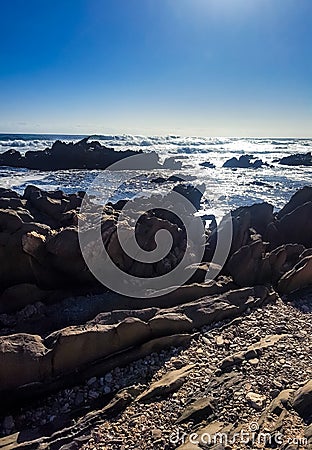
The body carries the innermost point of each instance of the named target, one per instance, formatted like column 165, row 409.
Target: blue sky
column 189, row 67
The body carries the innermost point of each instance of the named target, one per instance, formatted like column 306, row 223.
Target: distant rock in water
column 207, row 164
column 301, row 159
column 79, row 155
column 244, row 162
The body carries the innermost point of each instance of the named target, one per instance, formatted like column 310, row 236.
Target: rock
column 308, row 432
column 80, row 155
column 219, row 341
column 191, row 193
column 244, row 162
column 297, row 278
column 299, row 198
column 256, row 400
column 292, row 228
column 249, row 223
column 251, row 353
column 302, row 401
column 208, row 434
column 8, row 423
column 299, row 159
column 20, row 295
column 79, row 399
column 252, row 264
column 281, row 402
column 172, row 164
column 170, row 382
column 23, row 359
column 108, row 377
column 196, row 411
column 207, row 164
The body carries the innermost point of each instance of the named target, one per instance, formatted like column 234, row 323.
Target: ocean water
column 225, row 188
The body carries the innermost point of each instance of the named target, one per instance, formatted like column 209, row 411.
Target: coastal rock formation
column 208, row 164
column 54, row 341
column 27, row 359
column 80, row 155
column 299, row 159
column 244, row 162
column 303, row 400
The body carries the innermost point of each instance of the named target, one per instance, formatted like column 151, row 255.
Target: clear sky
column 189, row 67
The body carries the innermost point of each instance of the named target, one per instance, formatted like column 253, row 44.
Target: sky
column 186, row 67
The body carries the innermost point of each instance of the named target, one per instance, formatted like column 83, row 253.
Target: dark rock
column 294, row 227
column 297, row 278
column 252, row 265
column 302, row 401
column 244, row 162
column 79, row 155
column 301, row 197
column 191, row 193
column 207, row 164
column 300, row 159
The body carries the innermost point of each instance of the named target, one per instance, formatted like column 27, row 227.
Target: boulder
column 208, row 164
column 244, row 162
column 20, row 295
column 297, row 278
column 23, row 359
column 300, row 197
column 302, row 401
column 299, row 159
column 294, row 227
column 252, row 264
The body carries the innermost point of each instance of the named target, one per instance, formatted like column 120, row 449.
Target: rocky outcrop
column 244, row 162
column 298, row 277
column 79, row 155
column 252, row 264
column 208, row 165
column 55, row 342
column 302, row 401
column 28, row 359
column 169, row 383
column 299, row 159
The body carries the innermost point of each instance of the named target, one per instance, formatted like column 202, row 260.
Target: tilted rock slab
column 26, row 359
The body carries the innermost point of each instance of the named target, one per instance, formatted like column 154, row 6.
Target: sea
column 225, row 189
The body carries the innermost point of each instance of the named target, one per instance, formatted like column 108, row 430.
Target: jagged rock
column 208, row 164
column 253, row 351
column 247, row 223
column 297, row 278
column 256, row 400
column 244, row 162
column 199, row 409
column 170, row 382
column 79, row 155
column 191, row 193
column 29, row 359
column 294, row 227
column 299, row 159
column 252, row 265
column 308, row 433
column 23, row 359
column 300, row 197
column 278, row 405
column 302, row 401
